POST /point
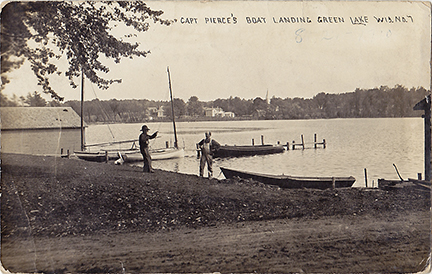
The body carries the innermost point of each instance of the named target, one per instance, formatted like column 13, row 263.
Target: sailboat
column 103, row 155
column 160, row 153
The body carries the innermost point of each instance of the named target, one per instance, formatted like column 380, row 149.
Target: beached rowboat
column 156, row 154
column 237, row 151
column 285, row 181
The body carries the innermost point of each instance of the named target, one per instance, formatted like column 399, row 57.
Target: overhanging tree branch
column 79, row 31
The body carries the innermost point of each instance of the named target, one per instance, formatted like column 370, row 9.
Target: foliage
column 35, row 100
column 194, row 106
column 81, row 32
column 179, row 108
column 362, row 103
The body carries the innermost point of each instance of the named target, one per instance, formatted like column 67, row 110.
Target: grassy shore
column 68, row 215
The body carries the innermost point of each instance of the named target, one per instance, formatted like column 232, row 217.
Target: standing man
column 144, row 147
column 208, row 146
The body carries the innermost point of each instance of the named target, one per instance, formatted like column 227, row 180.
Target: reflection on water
column 352, row 146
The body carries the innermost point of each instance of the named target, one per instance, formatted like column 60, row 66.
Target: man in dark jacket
column 144, row 139
column 207, row 146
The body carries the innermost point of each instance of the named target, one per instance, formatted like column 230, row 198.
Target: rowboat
column 98, row 156
column 237, row 151
column 401, row 184
column 285, row 181
column 156, row 154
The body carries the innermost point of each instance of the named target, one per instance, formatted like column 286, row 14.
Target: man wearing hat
column 144, row 147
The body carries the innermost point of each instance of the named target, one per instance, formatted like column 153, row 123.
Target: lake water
column 352, row 146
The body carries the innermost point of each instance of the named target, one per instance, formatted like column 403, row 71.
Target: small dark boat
column 237, row 151
column 285, row 181
column 402, row 184
column 99, row 156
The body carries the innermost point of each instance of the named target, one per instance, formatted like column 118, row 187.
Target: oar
column 400, row 177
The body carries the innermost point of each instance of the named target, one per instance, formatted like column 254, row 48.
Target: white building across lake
column 40, row 130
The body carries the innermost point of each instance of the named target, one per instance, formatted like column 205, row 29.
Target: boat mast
column 82, row 110
column 172, row 110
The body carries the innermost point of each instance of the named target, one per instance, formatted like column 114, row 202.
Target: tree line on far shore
column 362, row 103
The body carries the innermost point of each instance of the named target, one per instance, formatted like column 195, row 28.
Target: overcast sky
column 214, row 59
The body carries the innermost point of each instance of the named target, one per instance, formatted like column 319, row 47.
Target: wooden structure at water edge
column 425, row 105
column 315, row 144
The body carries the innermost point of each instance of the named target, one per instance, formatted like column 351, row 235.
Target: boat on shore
column 401, row 184
column 285, row 181
column 103, row 155
column 156, row 154
column 238, row 151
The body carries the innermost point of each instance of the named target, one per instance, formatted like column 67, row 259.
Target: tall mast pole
column 82, row 110
column 172, row 110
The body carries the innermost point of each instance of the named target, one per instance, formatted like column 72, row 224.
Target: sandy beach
column 64, row 215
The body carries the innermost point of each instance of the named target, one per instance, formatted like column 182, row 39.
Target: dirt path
column 354, row 244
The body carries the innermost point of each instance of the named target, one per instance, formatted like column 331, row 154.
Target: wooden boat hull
column 238, row 151
column 285, row 181
column 100, row 156
column 92, row 156
column 156, row 154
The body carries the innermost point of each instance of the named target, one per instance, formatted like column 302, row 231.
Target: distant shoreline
column 205, row 119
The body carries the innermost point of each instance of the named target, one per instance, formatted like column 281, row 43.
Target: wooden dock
column 303, row 145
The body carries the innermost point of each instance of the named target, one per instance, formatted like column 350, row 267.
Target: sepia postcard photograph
column 215, row 136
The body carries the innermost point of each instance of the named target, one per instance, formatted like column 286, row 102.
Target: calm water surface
column 352, row 146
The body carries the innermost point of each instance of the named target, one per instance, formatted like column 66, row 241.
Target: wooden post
column 287, row 145
column 315, row 141
column 166, row 144
column 82, row 110
column 365, row 172
column 253, row 142
column 106, row 156
column 303, row 144
column 68, row 154
column 293, row 145
column 333, row 183
column 324, row 143
column 61, row 151
column 425, row 105
column 419, row 176
column 262, row 139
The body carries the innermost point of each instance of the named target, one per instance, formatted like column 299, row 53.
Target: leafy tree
column 194, row 106
column 6, row 102
column 80, row 31
column 35, row 100
column 179, row 108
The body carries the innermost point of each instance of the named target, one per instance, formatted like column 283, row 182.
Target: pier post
column 166, row 144
column 315, row 141
column 287, row 145
column 324, row 143
column 262, row 139
column 333, row 182
column 106, row 156
column 293, row 144
column 365, row 172
column 253, row 142
column 303, row 144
